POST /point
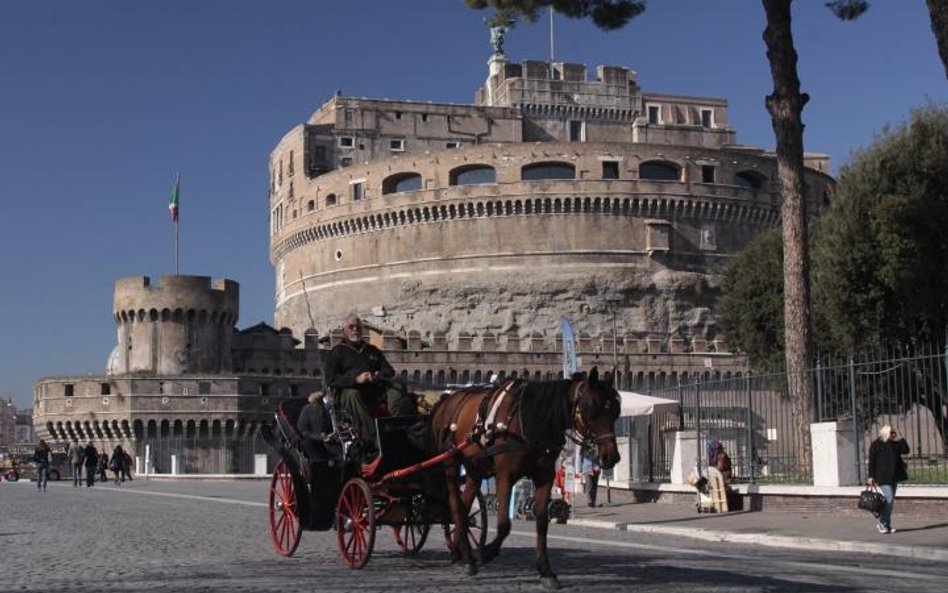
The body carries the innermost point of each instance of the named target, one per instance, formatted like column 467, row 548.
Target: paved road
column 212, row 537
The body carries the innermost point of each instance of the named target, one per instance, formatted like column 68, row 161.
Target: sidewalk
column 915, row 536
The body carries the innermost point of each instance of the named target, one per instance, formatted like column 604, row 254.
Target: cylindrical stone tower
column 184, row 325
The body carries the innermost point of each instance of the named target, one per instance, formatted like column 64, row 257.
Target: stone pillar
column 174, row 465
column 685, row 456
column 260, row 464
column 834, row 454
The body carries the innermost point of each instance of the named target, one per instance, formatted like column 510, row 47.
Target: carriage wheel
column 355, row 523
column 476, row 524
column 411, row 537
column 285, row 524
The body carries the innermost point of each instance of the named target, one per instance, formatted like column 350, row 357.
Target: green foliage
column 606, row 14
column 880, row 254
column 751, row 309
column 848, row 10
column 883, row 247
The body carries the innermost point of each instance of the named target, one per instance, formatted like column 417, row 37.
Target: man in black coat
column 887, row 469
column 315, row 426
column 92, row 463
column 362, row 380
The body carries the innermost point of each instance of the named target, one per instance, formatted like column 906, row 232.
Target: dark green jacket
column 345, row 361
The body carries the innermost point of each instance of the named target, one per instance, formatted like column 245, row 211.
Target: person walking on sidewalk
column 92, row 464
column 77, row 457
column 591, row 470
column 42, row 456
column 887, row 469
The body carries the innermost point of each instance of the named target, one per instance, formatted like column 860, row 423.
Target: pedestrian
column 91, row 464
column 43, row 457
column 887, row 469
column 77, row 458
column 591, row 470
column 103, row 465
column 117, row 464
column 127, row 467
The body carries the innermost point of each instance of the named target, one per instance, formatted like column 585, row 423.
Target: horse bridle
column 579, row 424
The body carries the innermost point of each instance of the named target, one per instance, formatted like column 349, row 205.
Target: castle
column 462, row 234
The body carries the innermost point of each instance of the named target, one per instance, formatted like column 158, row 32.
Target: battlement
column 176, row 292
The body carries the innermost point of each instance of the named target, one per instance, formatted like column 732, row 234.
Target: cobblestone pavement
column 213, row 537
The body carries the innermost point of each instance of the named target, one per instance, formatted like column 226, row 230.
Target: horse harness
column 495, row 420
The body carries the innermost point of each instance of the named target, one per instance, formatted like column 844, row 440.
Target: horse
column 517, row 430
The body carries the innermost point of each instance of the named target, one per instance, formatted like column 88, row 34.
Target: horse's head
column 596, row 406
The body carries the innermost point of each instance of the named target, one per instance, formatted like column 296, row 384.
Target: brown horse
column 517, row 430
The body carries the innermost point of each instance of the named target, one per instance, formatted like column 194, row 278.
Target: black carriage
column 403, row 488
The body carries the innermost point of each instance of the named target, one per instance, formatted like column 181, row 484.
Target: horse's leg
column 472, row 484
column 460, row 546
column 504, row 487
column 543, row 486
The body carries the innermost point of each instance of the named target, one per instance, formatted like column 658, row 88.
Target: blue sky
column 101, row 102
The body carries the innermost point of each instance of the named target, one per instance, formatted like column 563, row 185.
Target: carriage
column 511, row 430
column 403, row 488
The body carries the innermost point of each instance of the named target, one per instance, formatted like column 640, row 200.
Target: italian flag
column 173, row 202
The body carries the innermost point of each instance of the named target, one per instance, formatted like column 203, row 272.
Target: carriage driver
column 361, row 378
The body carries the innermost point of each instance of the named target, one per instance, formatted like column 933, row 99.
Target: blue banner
column 570, row 364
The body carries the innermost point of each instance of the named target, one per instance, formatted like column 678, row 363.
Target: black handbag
column 871, row 500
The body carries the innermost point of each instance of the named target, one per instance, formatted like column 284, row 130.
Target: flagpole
column 173, row 207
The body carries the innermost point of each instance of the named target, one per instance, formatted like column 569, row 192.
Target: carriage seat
column 401, row 442
column 287, row 413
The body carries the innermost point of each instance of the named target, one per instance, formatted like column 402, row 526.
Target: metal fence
column 751, row 415
column 206, row 454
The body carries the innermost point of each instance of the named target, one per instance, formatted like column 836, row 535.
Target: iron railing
column 751, row 415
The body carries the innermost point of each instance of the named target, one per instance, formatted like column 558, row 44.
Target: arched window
column 749, row 179
column 541, row 171
column 401, row 182
column 472, row 175
column 660, row 171
column 331, row 200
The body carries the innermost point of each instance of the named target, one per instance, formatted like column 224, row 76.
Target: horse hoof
column 551, row 583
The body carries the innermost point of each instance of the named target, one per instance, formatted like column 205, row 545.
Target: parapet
column 136, row 293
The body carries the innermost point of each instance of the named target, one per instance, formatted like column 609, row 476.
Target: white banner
column 570, row 364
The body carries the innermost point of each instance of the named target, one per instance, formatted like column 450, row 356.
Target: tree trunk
column 938, row 12
column 786, row 106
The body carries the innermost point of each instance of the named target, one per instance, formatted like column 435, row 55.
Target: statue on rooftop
column 499, row 25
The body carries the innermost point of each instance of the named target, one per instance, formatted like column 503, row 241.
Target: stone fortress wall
column 182, row 325
column 550, row 197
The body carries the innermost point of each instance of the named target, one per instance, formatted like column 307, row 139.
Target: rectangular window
column 357, row 191
column 204, row 388
column 347, row 115
column 452, row 145
column 290, row 169
column 707, row 173
column 264, row 389
column 346, row 142
column 106, row 389
column 398, row 115
column 294, row 390
column 345, row 161
column 424, row 117
column 610, row 169
column 654, row 114
column 577, row 131
column 396, row 144
column 707, row 118
column 68, row 390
